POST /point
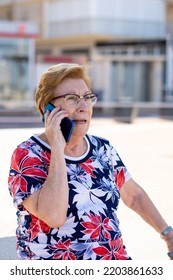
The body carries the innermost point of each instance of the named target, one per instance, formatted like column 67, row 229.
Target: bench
column 133, row 108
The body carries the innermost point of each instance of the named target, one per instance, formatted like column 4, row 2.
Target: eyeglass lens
column 75, row 99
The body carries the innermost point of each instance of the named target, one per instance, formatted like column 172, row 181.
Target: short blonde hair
column 53, row 77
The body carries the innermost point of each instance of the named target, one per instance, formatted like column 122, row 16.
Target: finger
column 57, row 115
column 46, row 115
column 49, row 114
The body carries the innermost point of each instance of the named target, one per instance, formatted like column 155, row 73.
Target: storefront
column 134, row 74
column 17, row 64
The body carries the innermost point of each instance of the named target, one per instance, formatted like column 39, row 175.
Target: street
column 146, row 147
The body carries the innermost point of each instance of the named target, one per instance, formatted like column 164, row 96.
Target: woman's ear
column 41, row 108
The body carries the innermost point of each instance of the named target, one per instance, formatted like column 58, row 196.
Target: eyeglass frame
column 80, row 97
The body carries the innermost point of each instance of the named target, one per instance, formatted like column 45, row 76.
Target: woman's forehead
column 71, row 85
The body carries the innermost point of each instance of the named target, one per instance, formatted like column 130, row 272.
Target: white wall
column 70, row 9
column 121, row 18
column 141, row 10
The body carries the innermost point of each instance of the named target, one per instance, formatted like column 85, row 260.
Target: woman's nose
column 82, row 105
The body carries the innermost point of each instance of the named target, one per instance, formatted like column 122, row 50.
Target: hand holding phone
column 66, row 124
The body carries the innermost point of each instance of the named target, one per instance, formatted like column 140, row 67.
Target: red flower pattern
column 24, row 166
column 119, row 178
column 95, row 227
column 63, row 251
column 37, row 226
column 116, row 250
column 88, row 167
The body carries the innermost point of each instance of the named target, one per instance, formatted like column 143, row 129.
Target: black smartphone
column 66, row 124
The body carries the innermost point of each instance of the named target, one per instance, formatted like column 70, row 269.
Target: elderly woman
column 67, row 193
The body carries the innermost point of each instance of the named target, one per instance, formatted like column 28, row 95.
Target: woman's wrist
column 167, row 236
column 166, row 232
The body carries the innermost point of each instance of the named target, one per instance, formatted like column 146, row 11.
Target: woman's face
column 80, row 112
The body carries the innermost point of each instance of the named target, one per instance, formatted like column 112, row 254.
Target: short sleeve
column 121, row 174
column 27, row 174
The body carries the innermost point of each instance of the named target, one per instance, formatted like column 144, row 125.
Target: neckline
column 68, row 158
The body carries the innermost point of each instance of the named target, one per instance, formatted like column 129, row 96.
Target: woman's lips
column 79, row 121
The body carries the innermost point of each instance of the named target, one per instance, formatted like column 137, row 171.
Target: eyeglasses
column 74, row 99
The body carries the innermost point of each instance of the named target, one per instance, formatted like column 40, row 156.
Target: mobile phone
column 66, row 124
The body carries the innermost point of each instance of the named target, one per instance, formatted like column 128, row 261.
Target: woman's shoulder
column 98, row 140
column 24, row 148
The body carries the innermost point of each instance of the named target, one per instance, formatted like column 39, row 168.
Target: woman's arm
column 50, row 203
column 138, row 200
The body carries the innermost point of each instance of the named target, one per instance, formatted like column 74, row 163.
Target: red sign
column 57, row 59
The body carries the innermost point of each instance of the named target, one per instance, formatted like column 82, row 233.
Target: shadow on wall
column 8, row 248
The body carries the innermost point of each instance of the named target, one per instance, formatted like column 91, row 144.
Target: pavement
column 145, row 146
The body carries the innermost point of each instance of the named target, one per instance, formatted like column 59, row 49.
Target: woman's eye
column 87, row 97
column 71, row 98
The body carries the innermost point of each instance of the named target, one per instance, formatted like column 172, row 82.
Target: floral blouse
column 91, row 231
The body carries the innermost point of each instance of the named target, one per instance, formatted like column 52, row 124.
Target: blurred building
column 127, row 45
column 17, row 63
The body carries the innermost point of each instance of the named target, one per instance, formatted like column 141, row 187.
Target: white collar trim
column 66, row 157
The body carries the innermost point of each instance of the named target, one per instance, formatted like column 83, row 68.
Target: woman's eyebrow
column 73, row 93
